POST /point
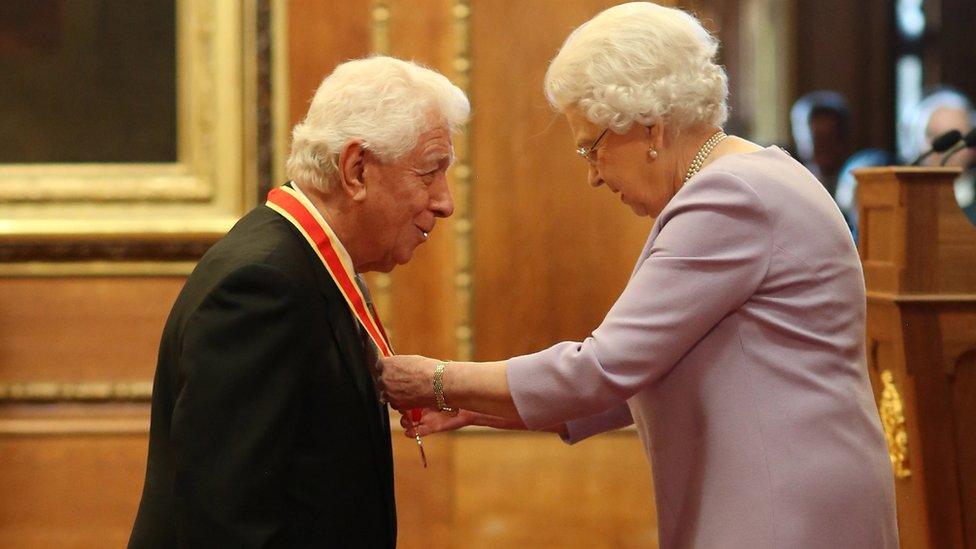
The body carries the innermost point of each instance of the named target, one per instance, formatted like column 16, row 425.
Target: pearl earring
column 652, row 153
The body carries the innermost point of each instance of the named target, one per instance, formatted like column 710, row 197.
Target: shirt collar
column 339, row 248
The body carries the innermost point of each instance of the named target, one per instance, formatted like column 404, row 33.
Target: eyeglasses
column 587, row 153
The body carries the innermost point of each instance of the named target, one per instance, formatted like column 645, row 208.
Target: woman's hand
column 433, row 421
column 407, row 381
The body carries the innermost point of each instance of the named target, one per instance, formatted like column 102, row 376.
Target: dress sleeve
column 585, row 427
column 711, row 253
column 244, row 353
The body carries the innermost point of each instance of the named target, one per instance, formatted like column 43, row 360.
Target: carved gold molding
column 281, row 117
column 379, row 34
column 100, row 269
column 38, row 427
column 87, row 212
column 265, row 95
column 41, row 183
column 766, row 30
column 893, row 419
column 382, row 283
column 86, row 392
column 463, row 266
column 61, row 252
column 231, row 133
column 205, row 33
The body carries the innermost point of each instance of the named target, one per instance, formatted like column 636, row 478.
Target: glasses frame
column 587, row 153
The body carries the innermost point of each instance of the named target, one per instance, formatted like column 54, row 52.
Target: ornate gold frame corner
column 105, row 214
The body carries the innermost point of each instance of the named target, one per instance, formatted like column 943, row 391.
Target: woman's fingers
column 406, row 380
column 433, row 421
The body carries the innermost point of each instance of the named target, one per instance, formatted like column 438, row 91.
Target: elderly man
column 266, row 426
column 940, row 111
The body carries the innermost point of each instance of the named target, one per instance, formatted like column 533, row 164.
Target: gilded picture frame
column 160, row 217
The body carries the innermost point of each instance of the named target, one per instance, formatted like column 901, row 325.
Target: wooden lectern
column 919, row 256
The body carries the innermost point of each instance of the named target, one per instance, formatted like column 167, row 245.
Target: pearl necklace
column 703, row 153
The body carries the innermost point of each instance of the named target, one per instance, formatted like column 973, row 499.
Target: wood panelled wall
column 71, row 474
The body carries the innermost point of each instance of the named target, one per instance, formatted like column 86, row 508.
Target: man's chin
column 384, row 266
column 403, row 259
column 393, row 263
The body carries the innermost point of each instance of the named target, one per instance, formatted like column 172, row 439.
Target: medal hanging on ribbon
column 302, row 214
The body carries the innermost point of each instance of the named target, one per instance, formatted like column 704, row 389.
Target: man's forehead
column 435, row 143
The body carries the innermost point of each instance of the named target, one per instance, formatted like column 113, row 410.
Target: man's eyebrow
column 438, row 157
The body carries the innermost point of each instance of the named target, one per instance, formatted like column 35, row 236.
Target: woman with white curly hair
column 737, row 347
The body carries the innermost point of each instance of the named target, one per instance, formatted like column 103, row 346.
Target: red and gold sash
column 298, row 210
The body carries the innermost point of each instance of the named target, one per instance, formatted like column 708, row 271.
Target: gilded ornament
column 893, row 419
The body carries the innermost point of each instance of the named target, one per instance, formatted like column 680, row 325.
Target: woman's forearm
column 480, row 387
column 483, row 387
column 484, row 420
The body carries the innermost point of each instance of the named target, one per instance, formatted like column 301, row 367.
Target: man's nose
column 441, row 201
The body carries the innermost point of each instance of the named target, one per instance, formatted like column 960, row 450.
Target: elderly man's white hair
column 914, row 139
column 640, row 62
column 383, row 101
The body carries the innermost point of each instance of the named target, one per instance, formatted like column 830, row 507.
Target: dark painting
column 87, row 81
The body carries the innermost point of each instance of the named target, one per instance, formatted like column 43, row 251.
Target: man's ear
column 352, row 168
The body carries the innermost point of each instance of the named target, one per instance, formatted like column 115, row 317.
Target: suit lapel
column 350, row 342
column 345, row 330
column 347, row 335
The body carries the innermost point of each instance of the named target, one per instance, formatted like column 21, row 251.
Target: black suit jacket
column 266, row 430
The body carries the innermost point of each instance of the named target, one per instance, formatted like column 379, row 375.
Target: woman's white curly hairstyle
column 640, row 62
column 384, row 101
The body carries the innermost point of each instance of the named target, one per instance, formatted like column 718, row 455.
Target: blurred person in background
column 846, row 193
column 821, row 125
column 943, row 110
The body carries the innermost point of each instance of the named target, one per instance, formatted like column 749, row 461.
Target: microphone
column 967, row 142
column 940, row 144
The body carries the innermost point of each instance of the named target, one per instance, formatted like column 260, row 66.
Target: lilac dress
column 737, row 350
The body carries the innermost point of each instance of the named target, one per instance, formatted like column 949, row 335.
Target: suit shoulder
column 260, row 237
column 262, row 245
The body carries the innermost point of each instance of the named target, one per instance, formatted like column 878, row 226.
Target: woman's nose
column 594, row 177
